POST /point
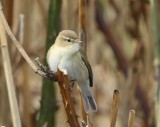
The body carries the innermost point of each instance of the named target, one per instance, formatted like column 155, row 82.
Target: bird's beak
column 79, row 41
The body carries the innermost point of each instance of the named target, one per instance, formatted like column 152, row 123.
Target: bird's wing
column 84, row 58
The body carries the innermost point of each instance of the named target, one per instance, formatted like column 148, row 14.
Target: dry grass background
column 127, row 47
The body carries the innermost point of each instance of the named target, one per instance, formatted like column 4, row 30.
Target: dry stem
column 82, row 22
column 39, row 70
column 18, row 44
column 82, row 36
column 67, row 100
column 45, row 72
column 90, row 124
column 131, row 118
column 84, row 114
column 9, row 78
column 114, row 110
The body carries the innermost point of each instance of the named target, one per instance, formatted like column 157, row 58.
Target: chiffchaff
column 67, row 54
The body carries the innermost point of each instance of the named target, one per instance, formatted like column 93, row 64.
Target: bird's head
column 67, row 38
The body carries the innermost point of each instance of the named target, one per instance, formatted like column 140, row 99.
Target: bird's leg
column 72, row 82
column 41, row 66
column 49, row 74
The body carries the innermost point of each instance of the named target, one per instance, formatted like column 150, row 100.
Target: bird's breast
column 53, row 58
column 75, row 67
column 73, row 64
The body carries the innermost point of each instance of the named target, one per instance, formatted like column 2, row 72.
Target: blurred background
column 120, row 38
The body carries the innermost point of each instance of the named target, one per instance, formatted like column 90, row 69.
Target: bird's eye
column 69, row 40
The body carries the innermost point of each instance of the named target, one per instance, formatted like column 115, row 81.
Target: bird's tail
column 88, row 100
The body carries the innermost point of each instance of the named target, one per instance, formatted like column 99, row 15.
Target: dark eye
column 69, row 40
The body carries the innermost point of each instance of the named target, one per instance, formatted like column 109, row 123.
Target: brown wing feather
column 84, row 58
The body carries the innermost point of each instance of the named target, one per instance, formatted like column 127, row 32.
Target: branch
column 20, row 34
column 39, row 70
column 18, row 44
column 67, row 99
column 48, row 73
column 45, row 72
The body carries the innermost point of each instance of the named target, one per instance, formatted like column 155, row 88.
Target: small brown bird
column 67, row 55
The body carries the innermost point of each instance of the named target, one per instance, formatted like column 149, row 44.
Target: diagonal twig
column 38, row 70
column 18, row 44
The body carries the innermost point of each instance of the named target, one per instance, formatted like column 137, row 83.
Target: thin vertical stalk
column 84, row 114
column 82, row 37
column 67, row 99
column 47, row 111
column 82, row 22
column 25, row 87
column 131, row 118
column 9, row 78
column 90, row 124
column 26, row 96
column 18, row 44
column 156, row 38
column 114, row 110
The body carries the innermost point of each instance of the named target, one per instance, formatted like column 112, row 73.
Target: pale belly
column 75, row 68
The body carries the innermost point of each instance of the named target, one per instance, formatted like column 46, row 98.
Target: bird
column 67, row 54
